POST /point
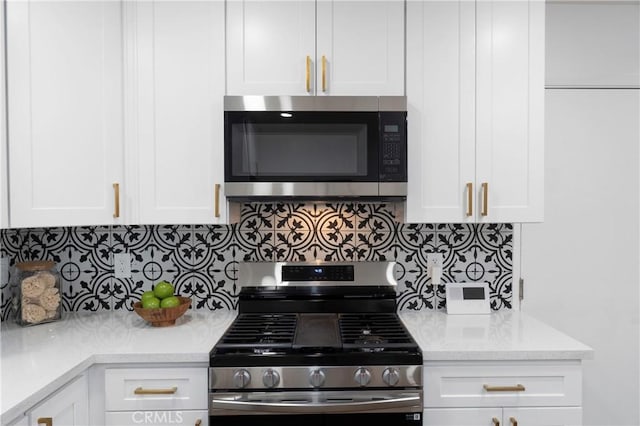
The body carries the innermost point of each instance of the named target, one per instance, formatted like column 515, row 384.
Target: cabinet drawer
column 490, row 384
column 157, row 418
column 155, row 389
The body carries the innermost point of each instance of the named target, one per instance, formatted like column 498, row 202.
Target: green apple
column 163, row 289
column 146, row 296
column 151, row 303
column 170, row 302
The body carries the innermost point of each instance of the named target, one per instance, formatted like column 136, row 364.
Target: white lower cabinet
column 494, row 393
column 22, row 421
column 529, row 416
column 157, row 418
column 68, row 406
column 157, row 396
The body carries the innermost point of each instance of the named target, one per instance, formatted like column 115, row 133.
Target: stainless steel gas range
column 316, row 344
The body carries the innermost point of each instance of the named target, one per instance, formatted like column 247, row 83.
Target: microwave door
column 249, row 150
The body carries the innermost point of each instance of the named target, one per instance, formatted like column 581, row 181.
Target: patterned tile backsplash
column 201, row 260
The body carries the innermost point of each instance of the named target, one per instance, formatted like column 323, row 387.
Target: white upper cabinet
column 271, row 47
column 64, row 70
column 4, row 195
column 510, row 111
column 315, row 48
column 441, row 111
column 360, row 47
column 475, row 90
column 180, row 86
column 86, row 77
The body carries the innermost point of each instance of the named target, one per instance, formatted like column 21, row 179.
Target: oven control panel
column 303, row 377
column 317, row 273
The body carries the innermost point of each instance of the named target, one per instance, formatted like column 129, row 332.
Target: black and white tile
column 202, row 260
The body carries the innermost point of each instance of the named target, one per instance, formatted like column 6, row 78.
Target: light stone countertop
column 502, row 335
column 39, row 359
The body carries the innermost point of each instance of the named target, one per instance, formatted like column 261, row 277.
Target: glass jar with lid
column 35, row 288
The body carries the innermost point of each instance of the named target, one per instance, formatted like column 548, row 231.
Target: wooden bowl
column 163, row 317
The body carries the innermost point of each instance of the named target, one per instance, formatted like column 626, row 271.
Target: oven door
column 306, row 153
column 316, row 408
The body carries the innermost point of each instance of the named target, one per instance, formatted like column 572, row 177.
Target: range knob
column 271, row 378
column 317, row 378
column 391, row 376
column 241, row 378
column 362, row 376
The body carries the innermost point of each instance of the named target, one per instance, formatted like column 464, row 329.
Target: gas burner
column 370, row 343
column 369, row 340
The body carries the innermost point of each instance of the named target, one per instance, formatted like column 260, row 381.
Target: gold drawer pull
column 141, row 391
column 47, row 421
column 513, row 421
column 216, row 201
column 324, row 73
column 495, row 421
column 116, row 197
column 469, row 199
column 485, row 199
column 199, row 422
column 308, row 75
column 516, row 388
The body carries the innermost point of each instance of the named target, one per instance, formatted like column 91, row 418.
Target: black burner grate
column 373, row 332
column 260, row 331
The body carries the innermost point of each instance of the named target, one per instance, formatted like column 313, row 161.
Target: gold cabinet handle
column 199, row 422
column 116, row 195
column 485, row 199
column 216, row 201
column 142, row 391
column 513, row 421
column 47, row 421
column 324, row 73
column 308, row 73
column 495, row 421
column 469, row 199
column 516, row 388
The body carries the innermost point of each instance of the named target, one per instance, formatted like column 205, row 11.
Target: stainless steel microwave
column 315, row 146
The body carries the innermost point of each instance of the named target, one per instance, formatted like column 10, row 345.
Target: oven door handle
column 309, row 407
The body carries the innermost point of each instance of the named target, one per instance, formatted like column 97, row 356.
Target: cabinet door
column 542, row 416
column 67, row 407
column 22, row 421
column 440, row 95
column 362, row 43
column 462, row 417
column 510, row 111
column 268, row 43
column 180, row 88
column 64, row 70
column 157, row 418
column 4, row 195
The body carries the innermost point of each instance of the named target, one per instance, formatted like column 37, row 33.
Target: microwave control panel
column 393, row 146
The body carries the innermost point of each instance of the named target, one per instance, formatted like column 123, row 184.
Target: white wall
column 593, row 43
column 581, row 266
